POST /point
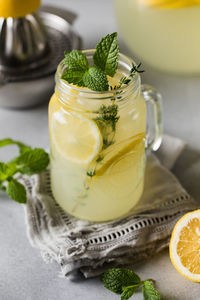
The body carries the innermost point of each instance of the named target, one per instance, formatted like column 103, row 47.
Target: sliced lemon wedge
column 130, row 146
column 75, row 137
column 185, row 246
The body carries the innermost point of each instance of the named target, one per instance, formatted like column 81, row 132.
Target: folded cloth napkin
column 90, row 248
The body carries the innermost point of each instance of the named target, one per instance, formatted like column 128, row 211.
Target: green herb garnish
column 107, row 120
column 106, row 54
column 108, row 115
column 91, row 173
column 30, row 161
column 105, row 59
column 125, row 282
column 93, row 77
column 125, row 80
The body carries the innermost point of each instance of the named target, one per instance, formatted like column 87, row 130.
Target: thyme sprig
column 106, row 121
column 125, row 80
column 108, row 115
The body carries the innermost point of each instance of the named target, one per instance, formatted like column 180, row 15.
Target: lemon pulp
column 89, row 180
column 185, row 246
column 78, row 139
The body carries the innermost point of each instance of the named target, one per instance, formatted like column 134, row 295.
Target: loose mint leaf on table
column 32, row 161
column 128, row 292
column 149, row 292
column 16, row 191
column 8, row 141
column 6, row 170
column 126, row 282
column 106, row 54
column 95, row 79
column 116, row 279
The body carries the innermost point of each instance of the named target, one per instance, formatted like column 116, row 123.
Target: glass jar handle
column 154, row 127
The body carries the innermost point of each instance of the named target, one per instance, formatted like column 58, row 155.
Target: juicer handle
column 154, row 117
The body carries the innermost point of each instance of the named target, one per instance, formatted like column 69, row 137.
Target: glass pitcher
column 98, row 142
column 162, row 33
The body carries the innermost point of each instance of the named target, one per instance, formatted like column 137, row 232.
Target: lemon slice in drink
column 113, row 158
column 185, row 246
column 75, row 137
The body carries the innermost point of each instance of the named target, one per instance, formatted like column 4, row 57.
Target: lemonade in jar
column 97, row 123
column 162, row 33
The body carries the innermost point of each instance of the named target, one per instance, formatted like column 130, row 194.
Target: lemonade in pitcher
column 97, row 123
column 162, row 33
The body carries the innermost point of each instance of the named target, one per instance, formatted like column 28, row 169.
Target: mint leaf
column 73, row 76
column 117, row 279
column 76, row 60
column 7, row 170
column 16, row 191
column 149, row 292
column 32, row 161
column 77, row 66
column 106, row 54
column 95, row 79
column 128, row 292
column 8, row 141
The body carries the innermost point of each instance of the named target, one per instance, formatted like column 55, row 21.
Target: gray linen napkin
column 81, row 246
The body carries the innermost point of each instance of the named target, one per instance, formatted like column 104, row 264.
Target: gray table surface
column 23, row 274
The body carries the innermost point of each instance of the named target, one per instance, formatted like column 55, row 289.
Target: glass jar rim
column 132, row 86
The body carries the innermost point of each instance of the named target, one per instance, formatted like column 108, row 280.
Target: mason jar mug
column 98, row 142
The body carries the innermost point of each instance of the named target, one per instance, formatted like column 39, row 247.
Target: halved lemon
column 75, row 137
column 185, row 246
column 17, row 9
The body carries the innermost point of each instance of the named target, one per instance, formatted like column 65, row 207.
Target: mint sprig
column 30, row 161
column 93, row 77
column 125, row 282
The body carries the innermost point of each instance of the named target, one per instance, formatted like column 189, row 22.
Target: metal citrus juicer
column 32, row 43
